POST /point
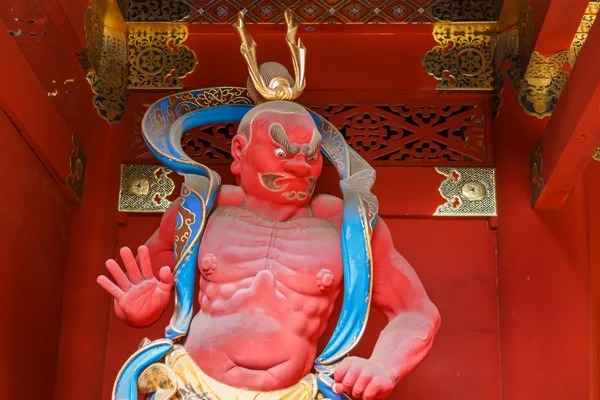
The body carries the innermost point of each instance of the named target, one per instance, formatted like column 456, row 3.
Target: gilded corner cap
column 469, row 192
column 145, row 188
column 463, row 58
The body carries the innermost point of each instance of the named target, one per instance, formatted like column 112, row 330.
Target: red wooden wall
column 34, row 234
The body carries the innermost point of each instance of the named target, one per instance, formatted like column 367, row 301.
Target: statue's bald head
column 279, row 107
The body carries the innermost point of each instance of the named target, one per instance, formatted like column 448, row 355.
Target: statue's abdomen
column 266, row 292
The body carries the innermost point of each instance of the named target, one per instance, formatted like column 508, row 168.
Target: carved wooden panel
column 413, row 134
column 386, row 135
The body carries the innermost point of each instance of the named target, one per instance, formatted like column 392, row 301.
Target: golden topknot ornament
column 280, row 86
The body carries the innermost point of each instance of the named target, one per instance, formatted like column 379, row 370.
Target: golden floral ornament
column 463, row 58
column 468, row 192
column 157, row 57
column 109, row 83
column 121, row 57
column 106, row 61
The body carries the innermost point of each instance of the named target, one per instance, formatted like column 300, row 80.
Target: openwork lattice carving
column 157, row 57
column 423, row 135
column 210, row 143
column 463, row 60
column 145, row 188
column 468, row 192
column 382, row 134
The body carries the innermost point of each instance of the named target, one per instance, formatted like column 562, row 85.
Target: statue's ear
column 238, row 150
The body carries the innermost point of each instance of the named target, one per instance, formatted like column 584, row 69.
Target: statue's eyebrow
column 311, row 148
column 279, row 136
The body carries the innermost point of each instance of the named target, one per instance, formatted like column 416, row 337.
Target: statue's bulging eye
column 280, row 153
column 312, row 158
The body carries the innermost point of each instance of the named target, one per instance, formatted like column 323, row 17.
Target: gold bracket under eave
column 122, row 57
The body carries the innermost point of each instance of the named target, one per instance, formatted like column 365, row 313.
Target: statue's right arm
column 143, row 290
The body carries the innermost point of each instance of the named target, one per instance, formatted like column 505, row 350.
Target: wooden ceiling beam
column 573, row 131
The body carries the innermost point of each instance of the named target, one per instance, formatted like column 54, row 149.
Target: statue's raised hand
column 140, row 297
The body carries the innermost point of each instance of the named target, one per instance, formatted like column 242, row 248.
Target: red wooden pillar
column 542, row 275
column 555, row 23
column 591, row 178
column 573, row 131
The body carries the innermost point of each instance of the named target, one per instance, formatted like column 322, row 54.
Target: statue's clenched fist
column 363, row 379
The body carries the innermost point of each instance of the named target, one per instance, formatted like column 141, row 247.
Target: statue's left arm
column 406, row 340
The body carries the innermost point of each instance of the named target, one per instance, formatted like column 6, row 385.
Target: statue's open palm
column 140, row 297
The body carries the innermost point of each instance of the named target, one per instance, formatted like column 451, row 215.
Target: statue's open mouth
column 270, row 181
column 278, row 182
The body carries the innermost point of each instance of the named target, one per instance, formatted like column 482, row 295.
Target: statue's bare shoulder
column 230, row 196
column 325, row 206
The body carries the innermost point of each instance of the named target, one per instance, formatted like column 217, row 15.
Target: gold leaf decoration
column 539, row 87
column 584, row 28
column 145, row 188
column 468, row 192
column 106, row 64
column 463, row 60
column 154, row 64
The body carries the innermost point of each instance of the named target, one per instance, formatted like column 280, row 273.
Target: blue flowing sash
column 163, row 126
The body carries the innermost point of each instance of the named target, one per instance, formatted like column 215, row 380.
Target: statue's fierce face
column 282, row 160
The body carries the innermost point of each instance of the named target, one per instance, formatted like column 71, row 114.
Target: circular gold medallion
column 473, row 191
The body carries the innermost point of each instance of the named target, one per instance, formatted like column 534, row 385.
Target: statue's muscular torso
column 267, row 290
